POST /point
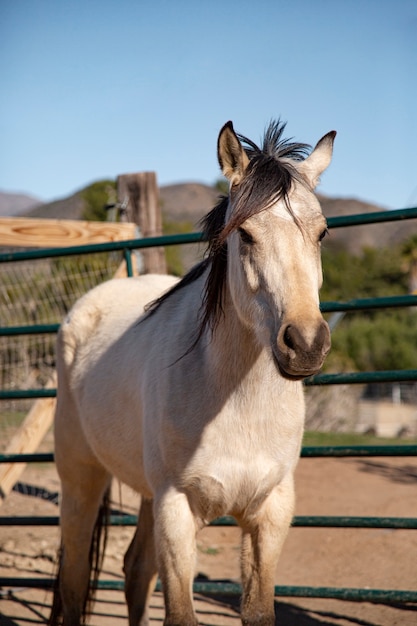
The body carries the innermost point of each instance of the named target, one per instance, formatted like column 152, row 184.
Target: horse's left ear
column 233, row 159
column 315, row 164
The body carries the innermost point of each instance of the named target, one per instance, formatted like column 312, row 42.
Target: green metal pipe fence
column 351, row 594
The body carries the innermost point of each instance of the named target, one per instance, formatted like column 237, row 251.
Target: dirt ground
column 380, row 559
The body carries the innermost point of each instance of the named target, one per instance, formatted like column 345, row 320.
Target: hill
column 187, row 201
column 70, row 208
column 16, row 203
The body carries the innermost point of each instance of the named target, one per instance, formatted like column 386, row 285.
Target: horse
column 190, row 391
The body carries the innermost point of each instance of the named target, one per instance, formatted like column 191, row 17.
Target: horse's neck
column 234, row 352
column 246, row 382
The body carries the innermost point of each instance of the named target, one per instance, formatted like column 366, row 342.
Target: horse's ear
column 233, row 159
column 315, row 164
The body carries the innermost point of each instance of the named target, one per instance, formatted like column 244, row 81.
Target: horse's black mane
column 267, row 180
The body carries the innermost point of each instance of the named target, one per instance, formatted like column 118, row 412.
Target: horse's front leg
column 140, row 567
column 175, row 530
column 263, row 536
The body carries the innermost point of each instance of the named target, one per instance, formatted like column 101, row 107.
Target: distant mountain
column 70, row 208
column 191, row 201
column 12, row 204
column 180, row 202
column 355, row 239
column 187, row 201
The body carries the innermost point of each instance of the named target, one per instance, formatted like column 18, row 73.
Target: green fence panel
column 212, row 587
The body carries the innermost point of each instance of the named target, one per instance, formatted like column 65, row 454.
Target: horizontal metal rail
column 372, row 218
column 299, row 521
column 35, row 457
column 396, row 450
column 232, row 589
column 197, row 237
column 94, row 248
column 360, row 304
column 26, row 394
column 366, row 304
column 35, row 329
column 348, row 378
column 361, row 378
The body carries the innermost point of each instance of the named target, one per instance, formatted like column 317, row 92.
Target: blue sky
column 95, row 88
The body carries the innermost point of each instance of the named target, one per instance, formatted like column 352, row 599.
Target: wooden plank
column 51, row 233
column 27, row 439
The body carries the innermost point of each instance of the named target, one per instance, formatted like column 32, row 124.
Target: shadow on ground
column 403, row 474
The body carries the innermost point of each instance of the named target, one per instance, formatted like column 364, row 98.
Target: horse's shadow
column 287, row 614
column 34, row 491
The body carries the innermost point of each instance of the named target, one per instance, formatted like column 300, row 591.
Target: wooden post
column 139, row 194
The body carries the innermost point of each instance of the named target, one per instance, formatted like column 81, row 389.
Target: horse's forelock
column 274, row 145
column 267, row 181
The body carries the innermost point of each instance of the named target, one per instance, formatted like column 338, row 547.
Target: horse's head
column 274, row 226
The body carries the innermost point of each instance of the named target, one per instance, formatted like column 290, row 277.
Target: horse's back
column 106, row 311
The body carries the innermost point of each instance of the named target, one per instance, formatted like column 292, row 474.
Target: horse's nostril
column 288, row 339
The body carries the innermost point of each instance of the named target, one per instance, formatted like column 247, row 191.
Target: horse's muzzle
column 300, row 351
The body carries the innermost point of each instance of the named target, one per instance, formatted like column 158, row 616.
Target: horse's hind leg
column 140, row 567
column 264, row 535
column 84, row 483
column 81, row 500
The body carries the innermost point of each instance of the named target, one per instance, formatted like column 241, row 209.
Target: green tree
column 376, row 272
column 173, row 254
column 369, row 340
column 222, row 186
column 409, row 262
column 387, row 341
column 96, row 197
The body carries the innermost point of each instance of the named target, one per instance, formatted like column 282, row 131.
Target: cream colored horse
column 198, row 404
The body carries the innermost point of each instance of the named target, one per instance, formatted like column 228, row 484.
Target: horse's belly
column 122, row 457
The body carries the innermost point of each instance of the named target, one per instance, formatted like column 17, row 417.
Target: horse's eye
column 323, row 234
column 245, row 237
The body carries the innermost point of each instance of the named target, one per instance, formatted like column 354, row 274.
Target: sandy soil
column 380, row 559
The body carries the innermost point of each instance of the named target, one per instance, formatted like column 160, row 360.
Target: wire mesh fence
column 36, row 292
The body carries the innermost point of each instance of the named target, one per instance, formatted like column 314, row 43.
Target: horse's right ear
column 233, row 159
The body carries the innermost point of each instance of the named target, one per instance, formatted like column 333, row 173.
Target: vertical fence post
column 139, row 194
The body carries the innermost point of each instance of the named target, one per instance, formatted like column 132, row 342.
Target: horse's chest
column 231, row 464
column 234, row 482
